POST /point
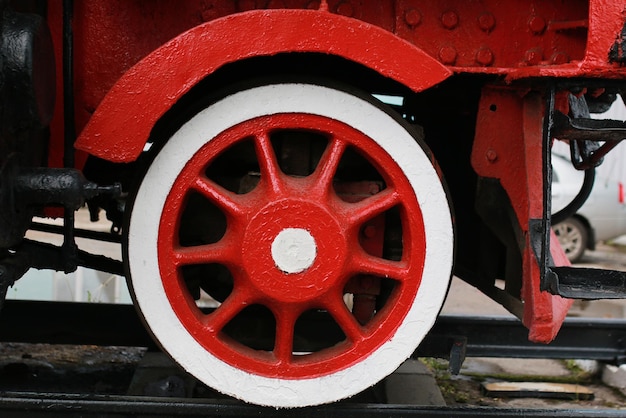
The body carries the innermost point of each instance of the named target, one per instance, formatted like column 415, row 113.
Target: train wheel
column 261, row 206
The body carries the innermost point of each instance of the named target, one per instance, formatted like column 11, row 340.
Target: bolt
column 492, row 155
column 345, row 9
column 484, row 56
column 559, row 58
column 374, row 188
column 533, row 56
column 450, row 20
column 369, row 231
column 447, row 55
column 486, row 22
column 413, row 17
column 537, row 25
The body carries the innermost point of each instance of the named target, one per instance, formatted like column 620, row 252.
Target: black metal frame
column 452, row 337
column 590, row 140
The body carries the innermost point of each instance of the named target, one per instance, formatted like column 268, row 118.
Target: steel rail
column 49, row 405
column 102, row 324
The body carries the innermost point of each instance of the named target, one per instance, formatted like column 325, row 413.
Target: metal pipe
column 69, row 129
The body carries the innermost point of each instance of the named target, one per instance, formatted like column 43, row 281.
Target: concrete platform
column 413, row 384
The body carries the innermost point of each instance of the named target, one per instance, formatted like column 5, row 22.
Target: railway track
column 453, row 337
column 48, row 405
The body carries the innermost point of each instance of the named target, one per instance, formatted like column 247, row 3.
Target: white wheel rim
column 267, row 100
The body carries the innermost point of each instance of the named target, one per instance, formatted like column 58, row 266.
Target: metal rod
column 68, row 405
column 69, row 121
column 546, row 156
column 78, row 233
column 69, row 129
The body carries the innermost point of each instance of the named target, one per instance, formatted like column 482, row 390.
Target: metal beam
column 48, row 405
column 106, row 324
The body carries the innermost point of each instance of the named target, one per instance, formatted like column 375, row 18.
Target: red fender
column 121, row 125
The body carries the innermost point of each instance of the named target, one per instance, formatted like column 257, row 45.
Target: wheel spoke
column 219, row 252
column 346, row 321
column 285, row 326
column 224, row 199
column 374, row 205
column 270, row 171
column 327, row 166
column 379, row 267
column 234, row 303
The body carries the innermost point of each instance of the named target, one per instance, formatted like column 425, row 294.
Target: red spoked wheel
column 313, row 224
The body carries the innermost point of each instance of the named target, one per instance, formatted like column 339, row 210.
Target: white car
column 601, row 218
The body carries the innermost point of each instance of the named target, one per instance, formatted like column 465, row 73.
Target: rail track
column 63, row 405
column 453, row 337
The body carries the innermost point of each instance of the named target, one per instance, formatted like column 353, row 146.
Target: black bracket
column 590, row 140
column 57, row 186
column 587, row 283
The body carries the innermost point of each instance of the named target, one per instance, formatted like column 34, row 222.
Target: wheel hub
column 294, row 251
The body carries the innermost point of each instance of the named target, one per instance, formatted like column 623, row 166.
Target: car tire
column 573, row 237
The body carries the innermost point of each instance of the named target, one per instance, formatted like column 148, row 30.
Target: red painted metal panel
column 516, row 39
column 122, row 124
column 516, row 160
column 488, row 35
column 136, row 59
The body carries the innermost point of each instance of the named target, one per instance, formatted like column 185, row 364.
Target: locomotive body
column 294, row 182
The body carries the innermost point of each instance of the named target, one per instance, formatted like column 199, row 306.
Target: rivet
column 447, row 55
column 492, row 155
column 533, row 56
column 484, row 56
column 345, row 9
column 413, row 17
column 374, row 188
column 450, row 20
column 559, row 58
column 537, row 25
column 487, row 22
